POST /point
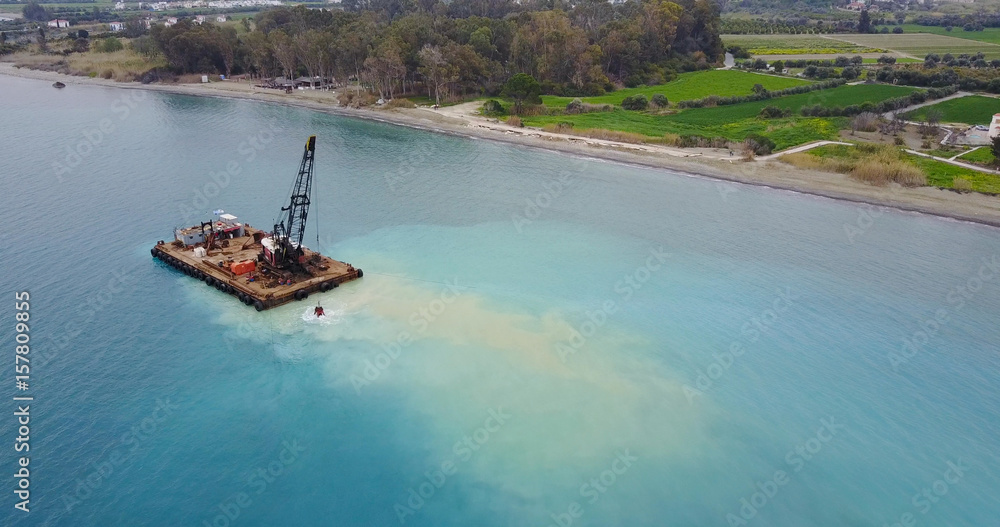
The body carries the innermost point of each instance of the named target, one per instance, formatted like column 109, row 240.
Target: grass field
column 943, row 175
column 938, row 174
column 688, row 86
column 795, row 45
column 736, row 121
column 990, row 34
column 974, row 109
column 920, row 44
column 980, row 155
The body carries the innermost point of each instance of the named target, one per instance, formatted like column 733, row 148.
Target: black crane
column 286, row 246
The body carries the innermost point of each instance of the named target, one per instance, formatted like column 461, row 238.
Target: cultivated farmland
column 920, row 44
column 974, row 109
column 688, row 86
column 796, row 45
column 990, row 34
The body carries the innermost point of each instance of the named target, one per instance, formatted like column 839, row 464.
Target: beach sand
column 463, row 121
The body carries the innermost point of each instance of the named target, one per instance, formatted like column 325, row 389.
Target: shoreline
column 458, row 121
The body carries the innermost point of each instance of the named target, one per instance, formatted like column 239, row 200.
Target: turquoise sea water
column 538, row 339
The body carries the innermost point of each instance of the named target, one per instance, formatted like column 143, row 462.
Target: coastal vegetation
column 884, row 164
column 734, row 122
column 459, row 48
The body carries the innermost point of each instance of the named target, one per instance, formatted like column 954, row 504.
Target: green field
column 974, row 109
column 990, row 34
column 980, row 155
column 794, row 45
column 736, row 121
column 943, row 175
column 688, row 86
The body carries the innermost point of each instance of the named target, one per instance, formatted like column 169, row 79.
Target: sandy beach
column 462, row 120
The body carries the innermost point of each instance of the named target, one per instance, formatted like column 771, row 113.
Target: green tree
column 522, row 88
column 109, row 45
column 995, row 148
column 635, row 102
column 34, row 11
column 865, row 22
column 435, row 69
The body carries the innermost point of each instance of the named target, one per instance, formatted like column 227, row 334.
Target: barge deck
column 262, row 288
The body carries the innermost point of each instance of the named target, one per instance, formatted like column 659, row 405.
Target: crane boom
column 288, row 234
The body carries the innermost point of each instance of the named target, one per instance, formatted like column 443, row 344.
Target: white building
column 116, row 26
column 199, row 19
column 58, row 23
column 221, row 18
column 171, row 20
column 995, row 126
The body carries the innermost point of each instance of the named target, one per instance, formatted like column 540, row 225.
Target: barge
column 262, row 269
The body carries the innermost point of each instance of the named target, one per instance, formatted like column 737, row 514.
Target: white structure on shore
column 57, row 23
column 995, row 126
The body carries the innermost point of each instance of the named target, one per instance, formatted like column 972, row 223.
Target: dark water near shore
column 537, row 340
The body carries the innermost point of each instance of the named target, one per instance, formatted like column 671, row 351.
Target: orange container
column 243, row 267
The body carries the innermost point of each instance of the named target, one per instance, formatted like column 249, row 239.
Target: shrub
column 660, row 100
column 108, row 45
column 635, row 102
column 865, row 122
column 961, row 184
column 560, row 127
column 881, row 172
column 760, row 144
column 514, row 120
column 773, row 112
column 493, row 107
column 587, row 107
column 400, row 103
column 574, row 106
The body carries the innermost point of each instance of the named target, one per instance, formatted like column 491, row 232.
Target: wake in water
column 329, row 316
